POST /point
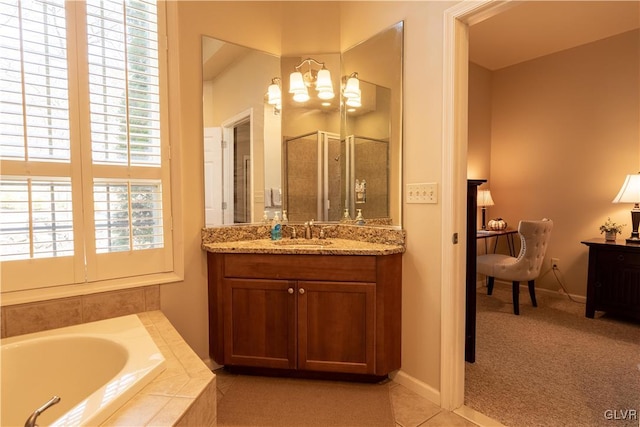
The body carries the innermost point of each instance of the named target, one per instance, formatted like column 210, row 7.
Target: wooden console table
column 485, row 234
column 613, row 283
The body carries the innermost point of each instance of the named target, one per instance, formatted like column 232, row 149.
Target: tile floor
column 410, row 409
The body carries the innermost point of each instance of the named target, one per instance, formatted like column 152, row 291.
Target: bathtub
column 94, row 368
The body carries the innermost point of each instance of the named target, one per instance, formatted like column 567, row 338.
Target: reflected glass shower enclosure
column 321, row 172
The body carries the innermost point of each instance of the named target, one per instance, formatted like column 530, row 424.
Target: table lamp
column 630, row 193
column 484, row 200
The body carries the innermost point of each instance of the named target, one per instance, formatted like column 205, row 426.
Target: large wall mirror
column 324, row 153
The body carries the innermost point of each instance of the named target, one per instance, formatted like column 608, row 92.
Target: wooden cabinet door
column 336, row 326
column 260, row 323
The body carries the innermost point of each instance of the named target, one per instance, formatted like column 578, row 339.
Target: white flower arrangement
column 611, row 227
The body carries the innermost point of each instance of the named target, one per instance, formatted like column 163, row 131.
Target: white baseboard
column 416, row 386
column 555, row 294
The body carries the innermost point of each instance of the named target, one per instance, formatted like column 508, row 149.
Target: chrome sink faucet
column 308, row 231
column 31, row 421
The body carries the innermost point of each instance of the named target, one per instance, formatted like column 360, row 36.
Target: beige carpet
column 552, row 366
column 264, row 401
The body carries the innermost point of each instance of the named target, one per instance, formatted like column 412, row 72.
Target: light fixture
column 274, row 93
column 630, row 193
column 484, row 200
column 299, row 82
column 351, row 91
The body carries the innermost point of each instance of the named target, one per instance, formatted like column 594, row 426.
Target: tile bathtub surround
column 235, row 233
column 22, row 319
column 184, row 394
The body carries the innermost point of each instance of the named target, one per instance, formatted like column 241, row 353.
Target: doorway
column 242, row 172
column 454, row 183
column 228, row 171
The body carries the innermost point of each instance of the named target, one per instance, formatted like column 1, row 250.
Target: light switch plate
column 422, row 193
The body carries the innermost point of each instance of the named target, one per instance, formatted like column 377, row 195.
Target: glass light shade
column 484, row 198
column 274, row 94
column 630, row 191
column 301, row 96
column 324, row 85
column 354, row 102
column 296, row 83
column 326, row 93
column 352, row 88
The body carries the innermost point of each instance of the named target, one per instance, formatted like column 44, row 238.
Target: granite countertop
column 302, row 246
column 340, row 240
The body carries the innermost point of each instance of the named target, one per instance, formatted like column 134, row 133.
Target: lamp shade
column 296, row 83
column 274, row 94
column 354, row 101
column 484, row 198
column 630, row 190
column 324, row 85
column 352, row 88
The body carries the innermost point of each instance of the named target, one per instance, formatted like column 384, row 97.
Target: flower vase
column 610, row 236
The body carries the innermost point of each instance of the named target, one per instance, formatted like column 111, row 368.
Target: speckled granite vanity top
column 340, row 239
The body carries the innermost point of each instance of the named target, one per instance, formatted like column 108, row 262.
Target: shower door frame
column 322, row 180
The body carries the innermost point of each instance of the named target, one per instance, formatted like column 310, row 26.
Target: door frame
column 457, row 20
column 228, row 152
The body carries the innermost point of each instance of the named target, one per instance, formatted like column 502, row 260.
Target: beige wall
column 185, row 303
column 422, row 139
column 479, row 145
column 565, row 131
column 259, row 25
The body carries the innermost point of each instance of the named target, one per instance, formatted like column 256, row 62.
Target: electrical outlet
column 555, row 263
column 422, row 193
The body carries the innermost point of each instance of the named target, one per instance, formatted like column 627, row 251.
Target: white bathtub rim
column 146, row 363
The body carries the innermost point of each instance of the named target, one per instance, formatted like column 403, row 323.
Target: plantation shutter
column 126, row 151
column 39, row 242
column 84, row 193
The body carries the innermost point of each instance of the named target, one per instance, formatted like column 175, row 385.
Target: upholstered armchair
column 534, row 237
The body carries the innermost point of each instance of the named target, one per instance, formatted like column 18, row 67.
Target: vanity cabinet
column 316, row 313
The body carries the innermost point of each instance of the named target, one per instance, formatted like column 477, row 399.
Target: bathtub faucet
column 31, row 422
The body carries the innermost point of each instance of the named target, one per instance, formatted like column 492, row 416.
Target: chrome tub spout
column 31, row 422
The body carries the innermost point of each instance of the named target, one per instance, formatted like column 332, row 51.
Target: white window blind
column 36, row 218
column 80, row 78
column 33, row 63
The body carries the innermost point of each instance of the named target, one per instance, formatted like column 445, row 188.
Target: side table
column 613, row 283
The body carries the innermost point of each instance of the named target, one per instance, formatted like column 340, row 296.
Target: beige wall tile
column 152, row 298
column 26, row 318
column 171, row 412
column 2, row 323
column 112, row 304
column 204, row 411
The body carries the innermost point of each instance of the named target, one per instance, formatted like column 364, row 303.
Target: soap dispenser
column 346, row 217
column 276, row 228
column 359, row 218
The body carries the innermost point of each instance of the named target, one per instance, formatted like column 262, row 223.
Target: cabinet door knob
column 290, row 290
column 301, row 290
column 620, row 257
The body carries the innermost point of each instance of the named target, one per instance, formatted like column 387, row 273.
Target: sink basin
column 302, row 243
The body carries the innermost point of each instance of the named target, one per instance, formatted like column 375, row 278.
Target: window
column 84, row 192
